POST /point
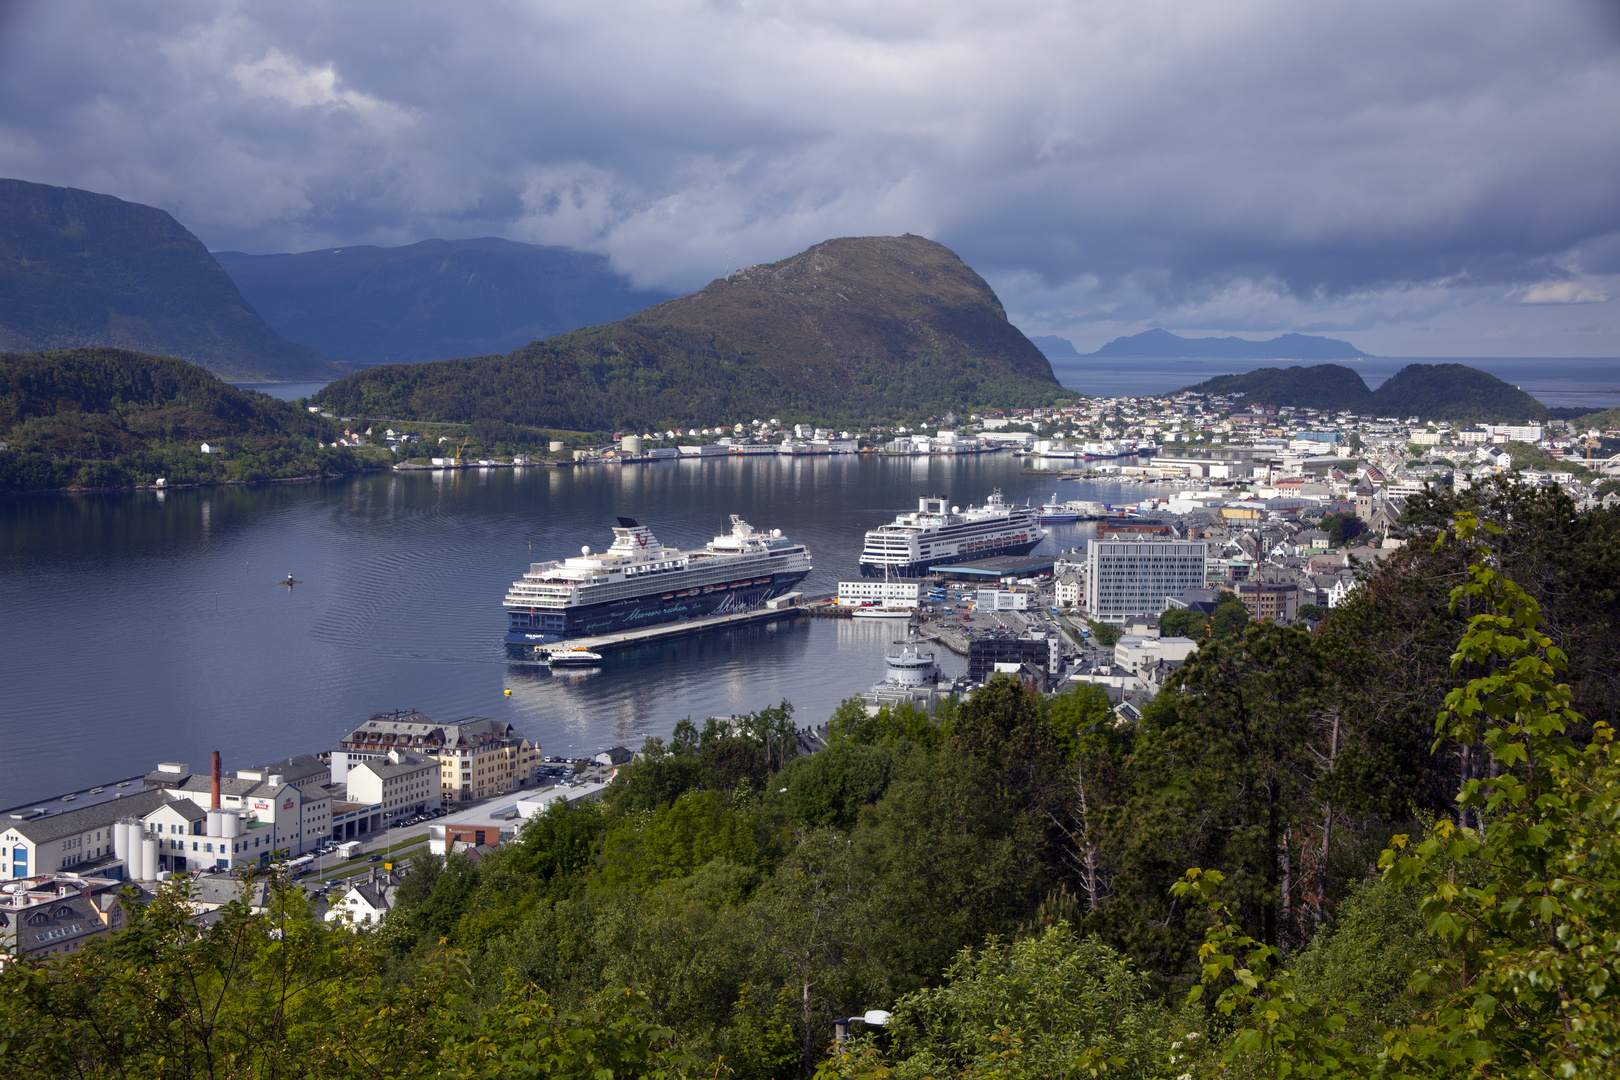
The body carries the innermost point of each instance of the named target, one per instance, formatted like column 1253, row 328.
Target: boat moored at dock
column 936, row 534
column 1056, row 513
column 639, row 583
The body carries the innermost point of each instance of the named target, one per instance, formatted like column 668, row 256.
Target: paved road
column 374, row 843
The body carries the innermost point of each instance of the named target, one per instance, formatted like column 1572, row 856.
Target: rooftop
column 70, row 822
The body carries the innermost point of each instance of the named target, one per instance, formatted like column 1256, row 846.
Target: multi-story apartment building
column 1273, row 601
column 478, row 757
column 1133, row 577
column 400, row 782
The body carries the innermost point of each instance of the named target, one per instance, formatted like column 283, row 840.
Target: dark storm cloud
column 1165, row 152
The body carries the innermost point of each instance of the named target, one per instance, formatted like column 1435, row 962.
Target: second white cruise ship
column 936, row 534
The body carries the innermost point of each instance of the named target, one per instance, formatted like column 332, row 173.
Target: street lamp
column 874, row 1017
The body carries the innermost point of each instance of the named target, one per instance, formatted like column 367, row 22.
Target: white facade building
column 887, row 593
column 1132, row 577
column 400, row 782
column 1135, row 653
column 1525, row 433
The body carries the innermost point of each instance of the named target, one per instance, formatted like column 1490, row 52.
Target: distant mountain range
column 1055, row 348
column 850, row 330
column 82, row 269
column 1451, row 392
column 1162, row 344
column 435, row 300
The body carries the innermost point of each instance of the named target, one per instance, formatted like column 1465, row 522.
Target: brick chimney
column 213, row 787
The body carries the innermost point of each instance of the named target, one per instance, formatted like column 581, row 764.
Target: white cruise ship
column 937, row 534
column 639, row 582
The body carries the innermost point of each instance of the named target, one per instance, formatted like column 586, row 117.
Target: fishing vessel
column 1055, row 513
column 937, row 534
column 639, row 582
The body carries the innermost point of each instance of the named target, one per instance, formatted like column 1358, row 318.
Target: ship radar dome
column 956, row 509
column 776, row 533
column 586, row 550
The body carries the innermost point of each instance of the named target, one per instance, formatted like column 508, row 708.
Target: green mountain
column 80, row 269
column 113, row 418
column 1457, row 393
column 1164, row 344
column 1320, row 386
column 849, row 330
column 434, row 300
column 1453, row 392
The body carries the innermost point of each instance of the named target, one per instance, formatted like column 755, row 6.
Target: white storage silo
column 120, row 840
column 230, row 824
column 132, row 847
column 213, row 823
column 149, row 859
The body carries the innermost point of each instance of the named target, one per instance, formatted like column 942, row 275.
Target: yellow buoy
column 509, row 693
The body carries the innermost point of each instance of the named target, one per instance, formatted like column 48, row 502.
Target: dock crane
column 459, row 449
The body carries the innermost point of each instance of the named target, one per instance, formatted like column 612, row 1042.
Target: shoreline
column 187, row 487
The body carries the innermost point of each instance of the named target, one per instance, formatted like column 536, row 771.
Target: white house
column 401, row 782
column 367, row 901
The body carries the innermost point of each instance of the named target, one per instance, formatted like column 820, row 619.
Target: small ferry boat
column 573, row 658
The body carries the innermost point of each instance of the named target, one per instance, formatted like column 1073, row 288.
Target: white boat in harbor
column 573, row 658
column 883, row 611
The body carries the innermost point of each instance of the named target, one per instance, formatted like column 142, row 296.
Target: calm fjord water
column 138, row 628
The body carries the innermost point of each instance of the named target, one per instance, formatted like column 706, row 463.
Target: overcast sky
column 1425, row 178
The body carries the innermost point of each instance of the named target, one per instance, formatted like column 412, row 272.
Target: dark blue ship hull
column 535, row 628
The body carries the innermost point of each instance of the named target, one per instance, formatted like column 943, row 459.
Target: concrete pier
column 649, row 635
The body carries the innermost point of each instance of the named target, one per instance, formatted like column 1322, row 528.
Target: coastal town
column 1277, row 511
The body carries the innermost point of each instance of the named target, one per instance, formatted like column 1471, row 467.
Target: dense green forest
column 1385, row 847
column 851, row 331
column 97, row 418
column 1451, row 392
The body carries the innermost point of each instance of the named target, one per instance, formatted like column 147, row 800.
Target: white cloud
column 1562, row 292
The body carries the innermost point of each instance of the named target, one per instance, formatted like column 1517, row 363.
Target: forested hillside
column 1385, row 848
column 1451, row 392
column 851, row 330
column 112, row 418
column 79, row 269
